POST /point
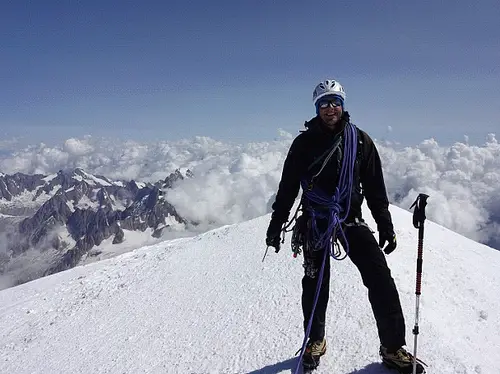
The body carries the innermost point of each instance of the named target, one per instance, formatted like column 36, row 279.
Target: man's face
column 330, row 111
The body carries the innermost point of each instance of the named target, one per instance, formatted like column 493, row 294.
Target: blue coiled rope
column 335, row 209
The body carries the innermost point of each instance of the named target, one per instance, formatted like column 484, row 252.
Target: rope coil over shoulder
column 321, row 206
column 335, row 209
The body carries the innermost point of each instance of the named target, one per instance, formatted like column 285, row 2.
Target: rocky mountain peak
column 87, row 209
column 14, row 185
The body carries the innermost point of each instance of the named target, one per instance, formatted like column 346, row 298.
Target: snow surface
column 140, row 184
column 91, row 179
column 48, row 178
column 116, row 203
column 209, row 304
column 86, row 203
column 132, row 240
column 7, row 216
column 25, row 202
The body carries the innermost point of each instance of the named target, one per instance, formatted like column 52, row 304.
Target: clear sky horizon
column 239, row 71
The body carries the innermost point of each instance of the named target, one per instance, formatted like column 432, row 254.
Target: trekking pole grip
column 418, row 221
column 419, row 212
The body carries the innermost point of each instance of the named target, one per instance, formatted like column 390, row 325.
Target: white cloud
column 462, row 180
column 76, row 148
column 234, row 182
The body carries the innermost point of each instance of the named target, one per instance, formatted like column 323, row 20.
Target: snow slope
column 209, row 304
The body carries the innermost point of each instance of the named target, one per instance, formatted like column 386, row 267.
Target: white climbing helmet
column 328, row 87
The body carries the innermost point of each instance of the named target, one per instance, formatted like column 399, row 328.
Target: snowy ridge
column 209, row 304
column 90, row 179
column 32, row 191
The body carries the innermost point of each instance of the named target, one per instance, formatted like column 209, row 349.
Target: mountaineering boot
column 400, row 360
column 314, row 350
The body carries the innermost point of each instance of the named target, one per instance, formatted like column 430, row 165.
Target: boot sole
column 406, row 370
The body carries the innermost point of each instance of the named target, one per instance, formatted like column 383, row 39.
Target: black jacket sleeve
column 372, row 181
column 289, row 185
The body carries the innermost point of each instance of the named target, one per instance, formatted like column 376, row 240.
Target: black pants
column 383, row 296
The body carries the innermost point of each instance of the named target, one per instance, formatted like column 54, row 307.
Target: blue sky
column 239, row 70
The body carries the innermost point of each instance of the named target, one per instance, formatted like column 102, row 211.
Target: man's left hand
column 273, row 234
column 273, row 241
column 390, row 238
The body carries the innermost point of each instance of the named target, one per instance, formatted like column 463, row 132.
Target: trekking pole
column 418, row 222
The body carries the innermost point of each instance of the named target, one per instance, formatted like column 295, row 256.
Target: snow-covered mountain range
column 49, row 223
column 208, row 304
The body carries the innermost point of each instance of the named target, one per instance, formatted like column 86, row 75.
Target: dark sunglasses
column 335, row 102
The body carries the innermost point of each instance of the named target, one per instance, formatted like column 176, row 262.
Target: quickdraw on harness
column 320, row 206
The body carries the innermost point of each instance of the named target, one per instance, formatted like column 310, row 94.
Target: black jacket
column 309, row 147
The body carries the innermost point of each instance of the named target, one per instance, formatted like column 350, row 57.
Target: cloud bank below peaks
column 235, row 182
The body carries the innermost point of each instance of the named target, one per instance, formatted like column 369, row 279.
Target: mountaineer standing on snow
column 338, row 166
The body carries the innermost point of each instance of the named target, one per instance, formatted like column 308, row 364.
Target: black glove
column 273, row 234
column 273, row 241
column 387, row 236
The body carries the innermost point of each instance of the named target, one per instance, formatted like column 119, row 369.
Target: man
column 338, row 166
